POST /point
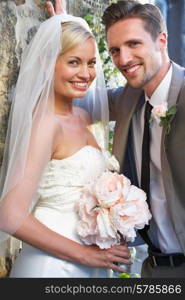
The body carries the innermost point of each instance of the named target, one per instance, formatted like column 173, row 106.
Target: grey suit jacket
column 123, row 102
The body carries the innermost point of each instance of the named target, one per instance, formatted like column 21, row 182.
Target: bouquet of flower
column 111, row 208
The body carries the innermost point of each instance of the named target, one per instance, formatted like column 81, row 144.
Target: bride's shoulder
column 49, row 123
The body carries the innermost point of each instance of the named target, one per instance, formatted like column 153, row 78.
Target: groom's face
column 134, row 52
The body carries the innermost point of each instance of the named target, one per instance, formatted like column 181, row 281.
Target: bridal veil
column 29, row 138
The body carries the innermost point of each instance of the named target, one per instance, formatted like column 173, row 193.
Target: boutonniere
column 163, row 115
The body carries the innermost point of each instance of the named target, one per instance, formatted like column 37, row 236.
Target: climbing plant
column 112, row 75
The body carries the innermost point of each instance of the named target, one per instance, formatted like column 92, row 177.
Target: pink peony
column 107, row 234
column 131, row 214
column 111, row 207
column 88, row 216
column 108, row 189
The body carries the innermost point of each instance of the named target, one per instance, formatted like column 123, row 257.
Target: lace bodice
column 63, row 180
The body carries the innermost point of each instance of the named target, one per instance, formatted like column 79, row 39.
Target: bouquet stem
column 128, row 273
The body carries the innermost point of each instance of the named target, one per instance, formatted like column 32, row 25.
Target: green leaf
column 124, row 275
column 172, row 110
column 165, row 121
column 94, row 21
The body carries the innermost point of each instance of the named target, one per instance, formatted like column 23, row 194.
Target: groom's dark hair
column 150, row 14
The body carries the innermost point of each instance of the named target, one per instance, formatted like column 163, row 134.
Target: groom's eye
column 133, row 44
column 114, row 51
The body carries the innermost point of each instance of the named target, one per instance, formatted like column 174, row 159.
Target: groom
column 137, row 41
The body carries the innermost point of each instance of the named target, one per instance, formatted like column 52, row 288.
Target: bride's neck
column 63, row 106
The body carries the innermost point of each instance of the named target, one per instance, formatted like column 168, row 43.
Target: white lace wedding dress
column 60, row 187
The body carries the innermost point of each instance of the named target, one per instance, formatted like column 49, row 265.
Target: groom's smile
column 134, row 51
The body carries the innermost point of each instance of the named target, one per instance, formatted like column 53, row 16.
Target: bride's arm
column 31, row 230
column 38, row 235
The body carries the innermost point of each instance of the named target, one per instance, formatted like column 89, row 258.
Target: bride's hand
column 107, row 258
column 59, row 8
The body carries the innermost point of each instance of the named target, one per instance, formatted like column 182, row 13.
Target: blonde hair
column 72, row 35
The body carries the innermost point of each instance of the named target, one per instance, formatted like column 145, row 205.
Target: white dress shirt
column 161, row 229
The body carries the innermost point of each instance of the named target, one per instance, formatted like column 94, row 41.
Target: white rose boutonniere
column 163, row 115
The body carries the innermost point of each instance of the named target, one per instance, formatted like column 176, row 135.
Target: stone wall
column 19, row 20
column 81, row 7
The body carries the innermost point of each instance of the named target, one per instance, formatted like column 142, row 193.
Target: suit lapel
column 176, row 83
column 128, row 106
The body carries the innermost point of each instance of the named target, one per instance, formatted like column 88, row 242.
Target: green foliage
column 110, row 72
column 111, row 133
column 165, row 121
column 124, row 275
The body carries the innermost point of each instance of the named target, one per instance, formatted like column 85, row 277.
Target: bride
column 51, row 153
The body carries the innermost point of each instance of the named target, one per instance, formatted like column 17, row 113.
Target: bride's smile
column 74, row 71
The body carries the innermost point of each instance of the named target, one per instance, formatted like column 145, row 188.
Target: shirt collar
column 160, row 95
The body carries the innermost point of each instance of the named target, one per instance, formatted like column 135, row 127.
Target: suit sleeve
column 114, row 97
